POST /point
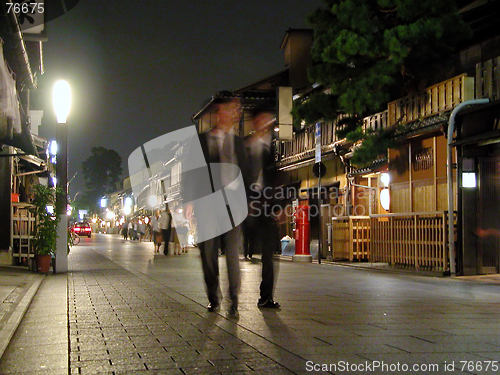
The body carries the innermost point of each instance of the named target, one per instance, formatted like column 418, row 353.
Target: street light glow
column 153, row 200
column 61, row 98
column 53, row 148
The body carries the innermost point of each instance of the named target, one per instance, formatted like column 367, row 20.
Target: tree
column 364, row 51
column 101, row 171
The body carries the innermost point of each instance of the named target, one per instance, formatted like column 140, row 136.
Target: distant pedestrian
column 181, row 225
column 261, row 229
column 141, row 229
column 125, row 230
column 165, row 221
column 156, row 230
column 130, row 228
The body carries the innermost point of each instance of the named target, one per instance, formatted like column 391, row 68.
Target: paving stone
column 126, row 317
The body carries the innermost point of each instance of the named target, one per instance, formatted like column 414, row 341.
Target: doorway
column 488, row 219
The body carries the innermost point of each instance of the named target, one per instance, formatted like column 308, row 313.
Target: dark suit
column 260, row 227
column 211, row 221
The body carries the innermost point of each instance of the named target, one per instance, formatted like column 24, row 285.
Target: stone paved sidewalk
column 40, row 343
column 17, row 288
column 119, row 323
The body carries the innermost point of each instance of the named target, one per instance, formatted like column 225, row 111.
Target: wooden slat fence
column 411, row 240
column 350, row 238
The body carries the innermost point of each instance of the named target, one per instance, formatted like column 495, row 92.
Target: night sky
column 139, row 69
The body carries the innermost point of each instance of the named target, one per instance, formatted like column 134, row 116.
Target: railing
column 304, row 141
column 488, row 79
column 411, row 240
column 439, row 98
column 350, row 238
column 377, row 121
column 432, row 101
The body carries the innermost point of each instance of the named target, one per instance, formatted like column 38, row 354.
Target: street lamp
column 61, row 99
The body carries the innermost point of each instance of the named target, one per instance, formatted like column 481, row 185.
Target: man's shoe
column 213, row 307
column 233, row 313
column 268, row 303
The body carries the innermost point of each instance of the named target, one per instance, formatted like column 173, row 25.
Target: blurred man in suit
column 261, row 231
column 220, row 144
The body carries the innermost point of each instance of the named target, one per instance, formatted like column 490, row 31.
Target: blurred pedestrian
column 222, row 145
column 155, row 227
column 165, row 221
column 135, row 230
column 261, row 229
column 130, row 228
column 125, row 230
column 181, row 227
column 141, row 229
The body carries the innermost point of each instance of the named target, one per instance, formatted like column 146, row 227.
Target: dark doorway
column 489, row 215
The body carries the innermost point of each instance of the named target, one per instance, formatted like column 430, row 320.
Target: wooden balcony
column 433, row 100
column 488, row 79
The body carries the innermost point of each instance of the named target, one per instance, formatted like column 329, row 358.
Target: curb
column 20, row 307
column 368, row 266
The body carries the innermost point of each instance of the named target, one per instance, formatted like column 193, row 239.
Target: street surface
column 132, row 312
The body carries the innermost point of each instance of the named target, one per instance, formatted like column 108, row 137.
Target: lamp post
column 61, row 98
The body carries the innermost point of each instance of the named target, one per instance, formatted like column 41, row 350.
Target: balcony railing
column 303, row 144
column 488, row 79
column 436, row 99
column 432, row 101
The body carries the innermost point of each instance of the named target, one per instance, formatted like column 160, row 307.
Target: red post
column 302, row 241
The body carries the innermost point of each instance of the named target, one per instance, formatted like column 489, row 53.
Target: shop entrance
column 488, row 219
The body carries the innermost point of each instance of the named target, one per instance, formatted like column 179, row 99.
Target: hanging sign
column 317, row 133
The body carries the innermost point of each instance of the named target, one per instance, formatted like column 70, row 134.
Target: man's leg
column 269, row 241
column 232, row 243
column 210, row 263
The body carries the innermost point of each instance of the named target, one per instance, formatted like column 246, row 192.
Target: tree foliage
column 101, row 172
column 364, row 51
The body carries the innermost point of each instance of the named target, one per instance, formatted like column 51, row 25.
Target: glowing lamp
column 385, row 199
column 61, row 98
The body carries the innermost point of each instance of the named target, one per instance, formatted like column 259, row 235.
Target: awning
column 31, row 164
column 480, row 139
column 326, row 187
column 21, row 141
column 373, row 167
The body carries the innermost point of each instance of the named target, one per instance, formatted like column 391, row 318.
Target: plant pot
column 43, row 263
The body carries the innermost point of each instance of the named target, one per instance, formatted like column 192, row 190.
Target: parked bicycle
column 74, row 238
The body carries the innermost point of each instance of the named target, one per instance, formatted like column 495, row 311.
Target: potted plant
column 45, row 236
